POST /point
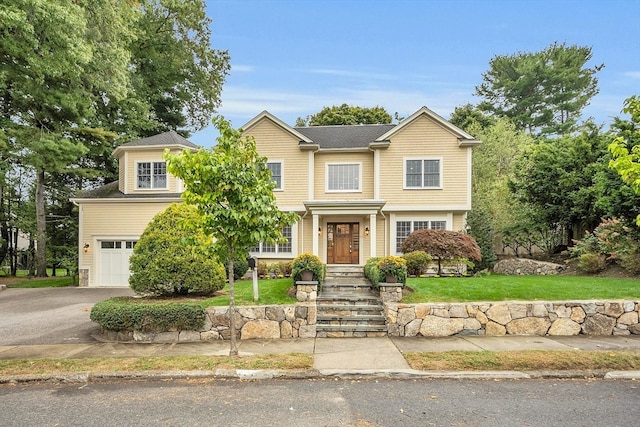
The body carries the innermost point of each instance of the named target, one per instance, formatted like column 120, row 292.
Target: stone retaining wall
column 514, row 318
column 526, row 266
column 264, row 322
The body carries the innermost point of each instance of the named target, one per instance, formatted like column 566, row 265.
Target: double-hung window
column 344, row 177
column 151, row 175
column 423, row 173
column 404, row 228
column 266, row 249
column 276, row 173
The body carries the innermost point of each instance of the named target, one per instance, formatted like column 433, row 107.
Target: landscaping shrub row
column 126, row 314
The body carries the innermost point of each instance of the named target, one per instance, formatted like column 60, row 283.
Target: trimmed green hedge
column 372, row 272
column 127, row 314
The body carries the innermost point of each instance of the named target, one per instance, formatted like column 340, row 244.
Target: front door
column 343, row 243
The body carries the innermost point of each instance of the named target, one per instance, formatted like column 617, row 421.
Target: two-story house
column 359, row 190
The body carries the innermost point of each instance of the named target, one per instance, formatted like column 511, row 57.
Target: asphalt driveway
column 50, row 315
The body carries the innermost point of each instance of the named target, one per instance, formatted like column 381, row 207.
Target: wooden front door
column 343, row 243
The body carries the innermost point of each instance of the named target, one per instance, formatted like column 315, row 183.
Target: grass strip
column 160, row 363
column 497, row 287
column 530, row 360
column 42, row 283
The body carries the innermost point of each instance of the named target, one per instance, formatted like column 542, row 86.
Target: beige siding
column 322, row 159
column 124, row 220
column 458, row 222
column 424, row 139
column 121, row 173
column 276, row 144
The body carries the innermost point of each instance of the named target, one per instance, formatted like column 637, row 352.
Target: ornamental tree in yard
column 231, row 188
column 442, row 244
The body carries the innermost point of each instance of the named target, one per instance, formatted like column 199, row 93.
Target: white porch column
column 372, row 235
column 316, row 237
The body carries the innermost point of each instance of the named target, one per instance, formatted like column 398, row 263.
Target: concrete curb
column 266, row 374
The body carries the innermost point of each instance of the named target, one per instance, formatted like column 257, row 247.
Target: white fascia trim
column 129, row 200
column 152, row 147
column 424, row 208
column 344, row 150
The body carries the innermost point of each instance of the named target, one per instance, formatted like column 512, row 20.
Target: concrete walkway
column 330, row 354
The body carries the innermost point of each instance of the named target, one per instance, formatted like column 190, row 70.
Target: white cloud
column 632, row 74
column 354, row 74
column 242, row 68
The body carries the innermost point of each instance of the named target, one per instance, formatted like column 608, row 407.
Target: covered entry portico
column 346, row 230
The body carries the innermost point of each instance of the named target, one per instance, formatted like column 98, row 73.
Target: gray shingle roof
column 357, row 136
column 164, row 139
column 111, row 191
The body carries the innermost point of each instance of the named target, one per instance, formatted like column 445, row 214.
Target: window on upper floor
column 151, row 175
column 423, row 173
column 404, row 228
column 344, row 177
column 265, row 249
column 276, row 173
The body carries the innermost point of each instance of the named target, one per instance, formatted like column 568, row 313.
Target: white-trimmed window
column 276, row 173
column 344, row 177
column 423, row 173
column 151, row 175
column 267, row 249
column 404, row 228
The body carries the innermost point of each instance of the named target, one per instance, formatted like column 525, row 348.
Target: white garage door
column 114, row 262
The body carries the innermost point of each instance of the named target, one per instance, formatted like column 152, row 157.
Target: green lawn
column 271, row 292
column 524, row 288
column 51, row 282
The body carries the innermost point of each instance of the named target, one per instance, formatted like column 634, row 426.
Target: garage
column 114, row 262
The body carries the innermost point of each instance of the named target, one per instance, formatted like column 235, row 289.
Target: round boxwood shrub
column 171, row 259
column 417, row 262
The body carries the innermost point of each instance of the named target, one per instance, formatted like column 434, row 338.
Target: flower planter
column 306, row 276
column 391, row 278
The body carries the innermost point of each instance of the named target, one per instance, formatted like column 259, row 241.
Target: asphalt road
column 50, row 315
column 328, row 402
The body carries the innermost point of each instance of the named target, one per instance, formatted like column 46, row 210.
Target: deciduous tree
column 442, row 244
column 626, row 151
column 232, row 189
column 346, row 115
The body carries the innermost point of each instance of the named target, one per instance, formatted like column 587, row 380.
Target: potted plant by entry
column 308, row 267
column 394, row 268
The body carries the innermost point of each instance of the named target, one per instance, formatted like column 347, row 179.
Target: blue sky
column 293, row 58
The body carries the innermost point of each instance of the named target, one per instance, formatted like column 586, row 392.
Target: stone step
column 359, row 319
column 354, row 283
column 348, row 299
column 351, row 328
column 349, row 311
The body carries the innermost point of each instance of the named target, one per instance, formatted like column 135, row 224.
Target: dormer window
column 152, row 175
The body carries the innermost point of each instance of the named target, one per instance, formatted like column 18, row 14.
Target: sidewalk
column 338, row 356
